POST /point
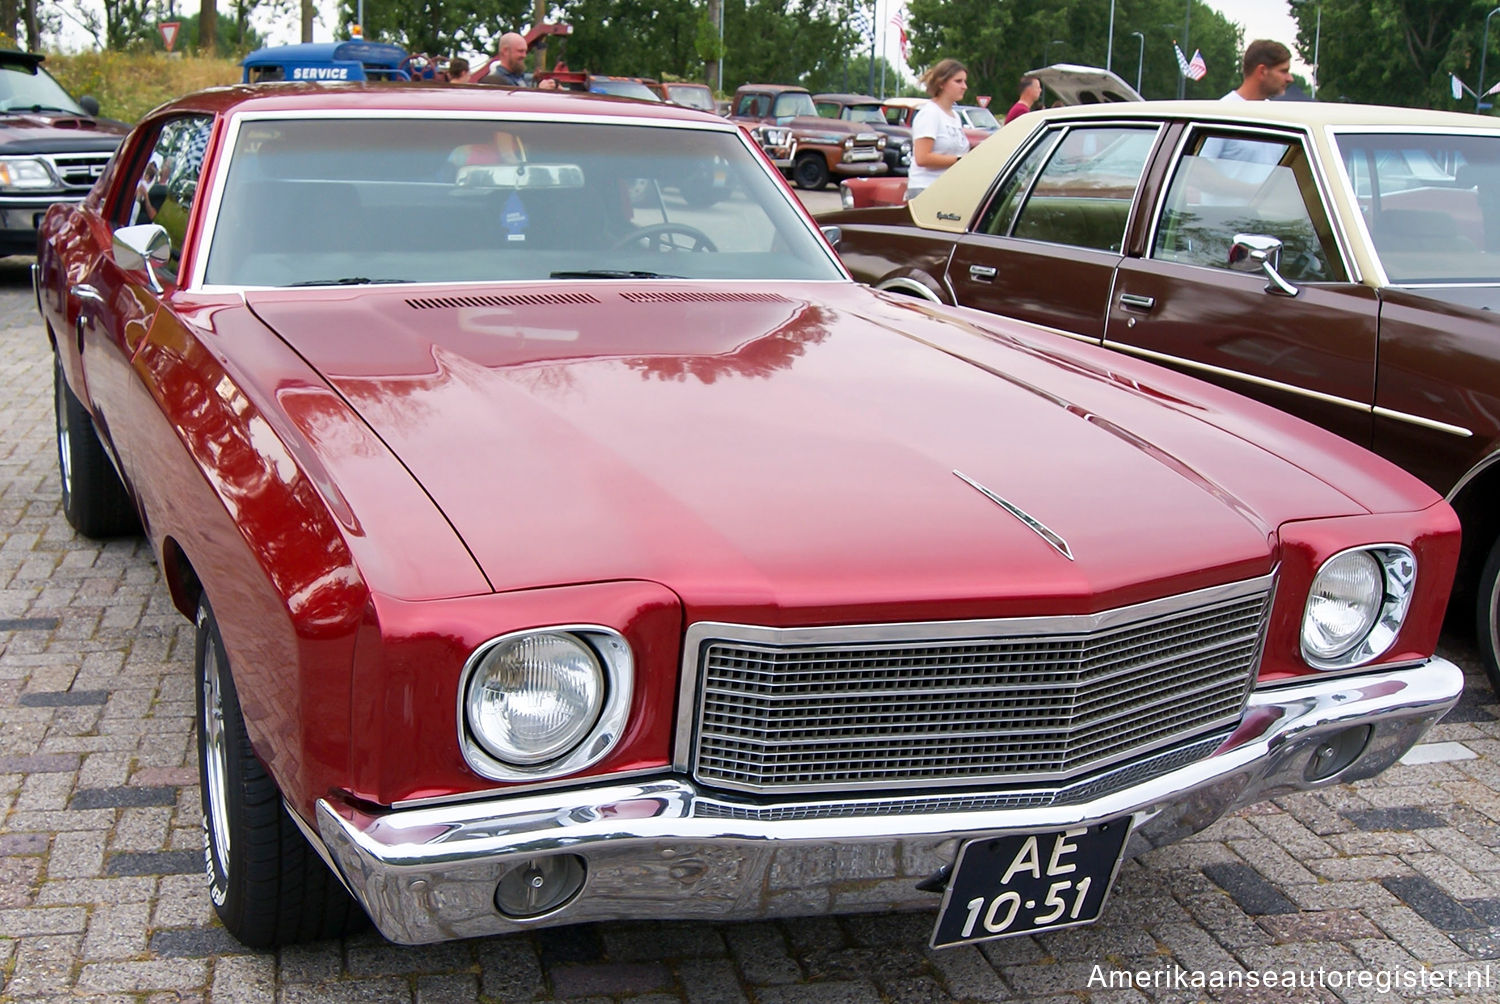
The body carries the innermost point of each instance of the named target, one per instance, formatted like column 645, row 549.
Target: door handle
column 981, row 273
column 1134, row 301
column 84, row 291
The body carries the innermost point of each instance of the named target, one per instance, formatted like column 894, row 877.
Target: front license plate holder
column 1026, row 883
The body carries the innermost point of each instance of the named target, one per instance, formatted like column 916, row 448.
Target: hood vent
column 513, row 300
column 681, row 296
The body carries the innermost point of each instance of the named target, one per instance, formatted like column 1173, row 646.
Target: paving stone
column 603, row 978
column 195, row 943
column 710, row 981
column 1404, row 817
column 63, row 699
column 114, row 798
column 1249, row 889
column 244, row 979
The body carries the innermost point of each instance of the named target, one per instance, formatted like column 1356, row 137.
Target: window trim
column 1310, row 149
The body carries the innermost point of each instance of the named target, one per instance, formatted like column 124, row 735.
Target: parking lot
column 1380, row 891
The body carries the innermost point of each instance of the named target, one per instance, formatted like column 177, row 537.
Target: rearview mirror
column 1260, row 253
column 144, row 246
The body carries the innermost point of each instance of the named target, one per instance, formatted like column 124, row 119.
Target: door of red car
column 1313, row 353
column 116, row 306
column 1046, row 246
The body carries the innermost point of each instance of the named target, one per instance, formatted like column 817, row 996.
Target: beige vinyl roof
column 950, row 202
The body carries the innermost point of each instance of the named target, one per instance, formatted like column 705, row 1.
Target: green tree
column 1397, row 52
column 998, row 43
column 438, row 27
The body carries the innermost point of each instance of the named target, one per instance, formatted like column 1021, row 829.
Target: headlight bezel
column 617, row 666
column 43, row 178
column 1397, row 566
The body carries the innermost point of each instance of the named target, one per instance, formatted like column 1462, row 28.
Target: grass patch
column 128, row 85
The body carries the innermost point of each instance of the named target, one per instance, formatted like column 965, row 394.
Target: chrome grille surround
column 78, row 171
column 939, row 704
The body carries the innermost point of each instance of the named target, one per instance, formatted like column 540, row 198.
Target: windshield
column 690, row 97
column 22, row 88
column 353, row 200
column 978, row 118
column 865, row 113
column 794, row 104
column 622, row 87
column 1431, row 203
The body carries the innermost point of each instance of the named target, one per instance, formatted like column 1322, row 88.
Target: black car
column 52, row 148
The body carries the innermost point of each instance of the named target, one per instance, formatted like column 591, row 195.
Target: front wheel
column 1487, row 617
column 267, row 884
column 810, row 171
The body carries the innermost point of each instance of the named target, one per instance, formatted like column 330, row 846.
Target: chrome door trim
column 1193, row 364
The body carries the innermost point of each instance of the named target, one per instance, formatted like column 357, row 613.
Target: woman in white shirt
column 938, row 138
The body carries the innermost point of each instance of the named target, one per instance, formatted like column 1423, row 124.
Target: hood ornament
column 1035, row 525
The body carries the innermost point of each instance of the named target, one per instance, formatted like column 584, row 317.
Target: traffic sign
column 169, row 32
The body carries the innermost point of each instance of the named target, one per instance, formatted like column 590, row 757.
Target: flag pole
column 885, row 30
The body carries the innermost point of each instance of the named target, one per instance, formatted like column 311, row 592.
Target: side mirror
column 1260, row 253
column 89, row 104
column 144, row 246
column 832, row 235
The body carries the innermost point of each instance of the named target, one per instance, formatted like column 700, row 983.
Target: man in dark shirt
column 509, row 68
column 1031, row 90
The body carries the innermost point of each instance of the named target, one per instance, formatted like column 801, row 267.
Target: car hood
column 1083, row 85
column 817, row 448
column 36, row 132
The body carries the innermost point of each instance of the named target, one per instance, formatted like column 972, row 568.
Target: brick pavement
column 101, row 897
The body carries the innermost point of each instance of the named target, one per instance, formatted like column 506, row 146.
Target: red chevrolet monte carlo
column 563, row 552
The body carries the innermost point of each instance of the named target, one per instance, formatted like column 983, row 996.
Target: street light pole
column 1140, row 60
column 1187, row 31
column 1317, row 40
column 1047, row 51
column 1484, row 50
column 1109, row 48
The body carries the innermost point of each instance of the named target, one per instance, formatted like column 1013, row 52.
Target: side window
column 828, row 109
column 1001, row 212
column 1083, row 195
column 168, row 184
column 1228, row 185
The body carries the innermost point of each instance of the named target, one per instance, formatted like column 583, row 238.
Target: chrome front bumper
column 665, row 849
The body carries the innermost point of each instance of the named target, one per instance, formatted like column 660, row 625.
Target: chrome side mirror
column 1260, row 253
column 832, row 235
column 143, row 246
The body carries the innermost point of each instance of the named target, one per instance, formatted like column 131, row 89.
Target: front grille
column 1011, row 703
column 79, row 171
column 1076, row 793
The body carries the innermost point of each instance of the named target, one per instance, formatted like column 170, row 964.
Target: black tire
column 93, row 498
column 267, row 884
column 699, row 193
column 1487, row 617
column 810, row 171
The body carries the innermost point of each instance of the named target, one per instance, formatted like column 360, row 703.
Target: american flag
column 899, row 20
column 1197, row 68
column 860, row 22
column 1194, row 69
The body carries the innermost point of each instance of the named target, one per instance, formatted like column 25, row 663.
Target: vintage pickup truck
column 808, row 148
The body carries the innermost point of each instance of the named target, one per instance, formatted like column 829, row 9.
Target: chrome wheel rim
column 215, row 761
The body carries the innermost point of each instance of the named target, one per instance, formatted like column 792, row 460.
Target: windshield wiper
column 609, row 273
column 348, row 280
column 41, row 108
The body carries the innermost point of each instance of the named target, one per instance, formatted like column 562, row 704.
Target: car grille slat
column 79, row 171
column 1015, row 707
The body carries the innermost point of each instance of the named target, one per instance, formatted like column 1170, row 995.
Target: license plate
column 1025, row 883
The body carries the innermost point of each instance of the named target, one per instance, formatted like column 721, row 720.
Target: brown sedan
column 1331, row 260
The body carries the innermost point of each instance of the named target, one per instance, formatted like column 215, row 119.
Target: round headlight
column 534, row 697
column 1343, row 604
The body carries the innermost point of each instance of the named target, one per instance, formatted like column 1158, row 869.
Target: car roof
column 905, row 102
column 848, row 99
column 772, row 87
column 946, row 205
column 479, row 99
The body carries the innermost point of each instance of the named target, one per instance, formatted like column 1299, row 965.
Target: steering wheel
column 658, row 237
